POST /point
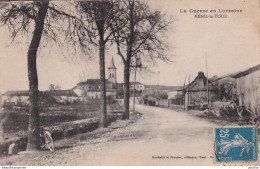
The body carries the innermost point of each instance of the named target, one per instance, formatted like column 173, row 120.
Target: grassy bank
column 18, row 120
column 62, row 121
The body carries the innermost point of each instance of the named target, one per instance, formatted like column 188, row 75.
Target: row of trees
column 130, row 25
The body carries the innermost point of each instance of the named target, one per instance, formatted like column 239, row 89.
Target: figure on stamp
column 238, row 141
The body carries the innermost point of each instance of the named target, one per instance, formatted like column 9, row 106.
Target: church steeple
column 112, row 64
column 112, row 71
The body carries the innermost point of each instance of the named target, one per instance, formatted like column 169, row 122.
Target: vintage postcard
column 129, row 83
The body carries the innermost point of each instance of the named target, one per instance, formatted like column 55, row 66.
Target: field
column 18, row 120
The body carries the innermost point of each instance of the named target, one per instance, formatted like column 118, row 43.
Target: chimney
column 201, row 75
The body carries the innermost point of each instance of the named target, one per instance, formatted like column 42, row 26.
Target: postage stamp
column 235, row 144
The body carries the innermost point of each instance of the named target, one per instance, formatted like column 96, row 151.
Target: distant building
column 45, row 97
column 137, row 85
column 175, row 96
column 16, row 97
column 248, row 89
column 60, row 96
column 91, row 89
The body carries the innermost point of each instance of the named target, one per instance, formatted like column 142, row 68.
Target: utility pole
column 158, row 93
column 158, row 81
column 134, row 89
column 207, row 80
column 189, row 93
column 137, row 64
column 183, row 94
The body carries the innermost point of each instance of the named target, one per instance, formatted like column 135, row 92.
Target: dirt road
column 159, row 137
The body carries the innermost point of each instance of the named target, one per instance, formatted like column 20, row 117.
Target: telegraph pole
column 137, row 64
column 134, row 89
column 183, row 94
column 189, row 93
column 207, row 79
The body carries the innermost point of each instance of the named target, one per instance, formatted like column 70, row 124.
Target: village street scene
column 123, row 82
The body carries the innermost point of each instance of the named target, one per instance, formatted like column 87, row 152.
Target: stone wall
column 248, row 92
column 63, row 130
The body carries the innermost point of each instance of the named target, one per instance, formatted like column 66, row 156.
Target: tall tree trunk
column 34, row 124
column 128, row 63
column 103, row 109
column 125, row 115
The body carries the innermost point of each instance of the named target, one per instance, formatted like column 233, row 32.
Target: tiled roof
column 222, row 77
column 92, row 82
column 42, row 93
column 136, row 83
column 246, row 72
column 69, row 93
column 193, row 87
column 98, row 90
column 131, row 83
column 16, row 93
column 211, row 88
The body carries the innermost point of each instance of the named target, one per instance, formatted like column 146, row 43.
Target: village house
column 222, row 91
column 248, row 89
column 46, row 97
column 91, row 89
column 197, row 92
column 139, row 88
column 16, row 97
column 137, row 85
column 61, row 96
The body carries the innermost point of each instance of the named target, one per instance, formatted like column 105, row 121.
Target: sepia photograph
column 129, row 83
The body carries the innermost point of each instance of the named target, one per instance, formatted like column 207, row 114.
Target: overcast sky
column 231, row 44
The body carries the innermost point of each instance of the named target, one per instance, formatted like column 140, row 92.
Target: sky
column 230, row 44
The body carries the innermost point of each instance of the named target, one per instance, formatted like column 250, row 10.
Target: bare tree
column 227, row 91
column 99, row 14
column 142, row 36
column 36, row 19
